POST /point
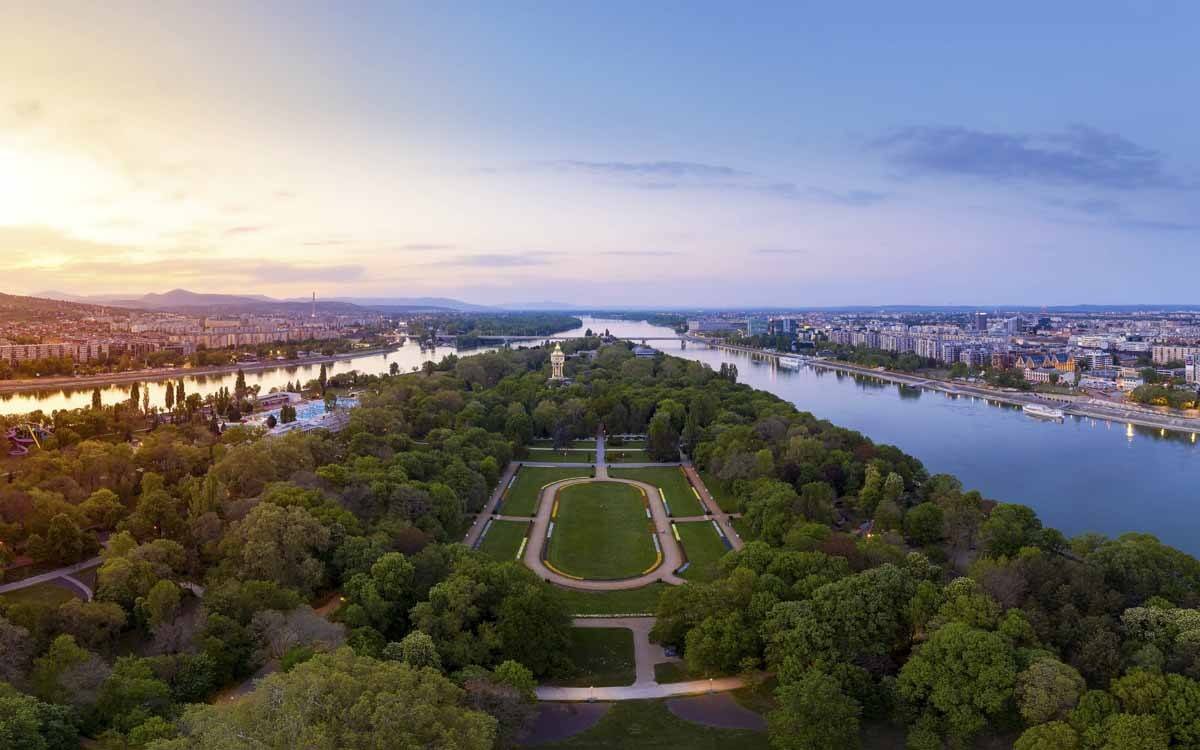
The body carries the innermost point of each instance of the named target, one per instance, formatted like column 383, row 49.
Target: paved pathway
column 481, row 519
column 706, row 499
column 66, row 573
column 646, row 655
column 672, row 553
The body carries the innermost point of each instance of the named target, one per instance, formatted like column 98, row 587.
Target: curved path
column 672, row 553
column 646, row 656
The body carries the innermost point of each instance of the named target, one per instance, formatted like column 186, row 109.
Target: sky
column 604, row 153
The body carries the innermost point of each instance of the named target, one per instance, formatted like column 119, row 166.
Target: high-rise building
column 980, row 321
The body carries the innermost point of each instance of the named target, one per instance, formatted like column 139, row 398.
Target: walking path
column 480, row 523
column 646, row 655
column 673, row 555
column 65, row 573
column 723, row 519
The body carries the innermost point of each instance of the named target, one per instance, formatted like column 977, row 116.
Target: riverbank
column 1079, row 406
column 159, row 374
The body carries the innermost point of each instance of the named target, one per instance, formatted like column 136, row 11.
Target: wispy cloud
column 651, row 169
column 417, row 246
column 779, row 251
column 234, row 231
column 1115, row 214
column 498, row 260
column 641, row 253
column 1080, row 155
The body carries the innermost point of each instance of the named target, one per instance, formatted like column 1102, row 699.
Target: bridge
column 507, row 339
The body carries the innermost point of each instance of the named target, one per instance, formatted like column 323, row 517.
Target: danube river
column 1080, row 475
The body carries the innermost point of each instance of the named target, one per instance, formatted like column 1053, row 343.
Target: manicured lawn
column 648, row 725
column 725, row 499
column 674, row 485
column 522, row 499
column 625, row 444
column 704, row 549
column 628, row 602
column 742, row 528
column 603, row 657
column 562, row 457
column 601, row 532
column 618, row 456
column 668, row 672
column 43, row 593
column 548, row 443
column 504, row 539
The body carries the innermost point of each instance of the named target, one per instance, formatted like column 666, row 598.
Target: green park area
column 704, row 550
column 48, row 594
column 720, row 492
column 639, row 601
column 623, row 456
column 503, row 539
column 522, row 499
column 673, row 483
column 649, row 725
column 603, row 657
column 548, row 443
column 573, row 456
column 601, row 532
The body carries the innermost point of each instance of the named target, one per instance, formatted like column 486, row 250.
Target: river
column 1081, row 475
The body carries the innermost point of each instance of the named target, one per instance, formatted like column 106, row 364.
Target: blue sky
column 607, row 153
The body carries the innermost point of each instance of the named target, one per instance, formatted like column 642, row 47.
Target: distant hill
column 182, row 300
column 412, row 304
column 16, row 308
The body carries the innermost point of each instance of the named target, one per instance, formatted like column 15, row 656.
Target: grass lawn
column 673, row 483
column 704, row 549
column 601, row 532
column 504, row 539
column 725, row 499
column 603, row 657
column 668, row 672
column 562, row 457
column 625, row 444
column 42, row 593
column 741, row 526
column 522, row 499
column 548, row 443
column 628, row 602
column 618, row 456
column 648, row 725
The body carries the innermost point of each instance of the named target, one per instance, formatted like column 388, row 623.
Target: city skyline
column 672, row 156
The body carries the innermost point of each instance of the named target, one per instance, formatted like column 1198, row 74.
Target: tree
column 1056, row 735
column 28, row 724
column 1009, row 528
column 1130, row 732
column 963, row 675
column 364, row 703
column 323, row 378
column 662, row 441
column 97, row 403
column 814, row 714
column 95, row 625
column 169, row 396
column 278, row 544
column 134, row 395
column 1047, row 690
column 923, row 524
column 418, row 650
column 67, row 673
column 16, row 651
column 161, row 603
column 179, row 394
column 287, row 414
column 63, row 544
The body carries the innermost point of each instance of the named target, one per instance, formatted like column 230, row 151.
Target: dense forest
column 868, row 591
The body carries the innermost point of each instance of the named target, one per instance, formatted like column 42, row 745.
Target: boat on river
column 1044, row 412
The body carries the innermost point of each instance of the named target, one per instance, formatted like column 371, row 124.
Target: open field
column 43, row 593
column 674, row 484
column 562, row 457
column 548, row 443
column 503, row 539
column 648, row 725
column 619, row 456
column 725, row 499
column 704, row 550
column 627, row 602
column 601, row 532
column 603, row 657
column 522, row 499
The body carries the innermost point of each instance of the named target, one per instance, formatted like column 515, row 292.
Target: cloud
column 233, row 231
column 285, row 272
column 641, row 253
column 643, row 169
column 793, row 191
column 780, row 251
column 498, row 260
column 1114, row 213
column 1080, row 155
column 415, row 246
